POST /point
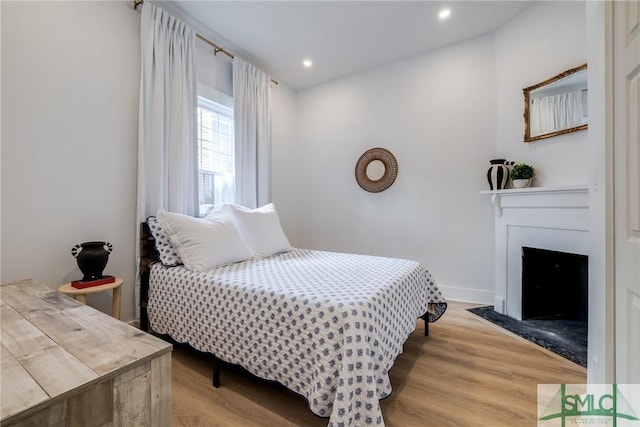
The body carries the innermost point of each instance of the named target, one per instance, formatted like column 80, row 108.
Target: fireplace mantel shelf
column 568, row 196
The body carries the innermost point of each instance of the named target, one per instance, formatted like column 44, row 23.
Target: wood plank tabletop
column 54, row 347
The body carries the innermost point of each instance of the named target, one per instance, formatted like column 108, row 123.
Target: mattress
column 325, row 325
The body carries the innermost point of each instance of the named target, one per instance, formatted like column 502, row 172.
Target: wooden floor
column 468, row 372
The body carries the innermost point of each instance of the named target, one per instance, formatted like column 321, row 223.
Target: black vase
column 92, row 258
column 498, row 174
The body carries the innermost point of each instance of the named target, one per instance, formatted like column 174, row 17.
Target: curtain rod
column 216, row 49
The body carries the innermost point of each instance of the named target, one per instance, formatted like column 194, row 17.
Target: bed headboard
column 148, row 255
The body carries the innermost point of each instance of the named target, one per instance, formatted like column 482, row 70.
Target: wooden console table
column 65, row 363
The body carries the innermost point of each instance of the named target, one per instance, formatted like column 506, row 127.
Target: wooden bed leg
column 216, row 373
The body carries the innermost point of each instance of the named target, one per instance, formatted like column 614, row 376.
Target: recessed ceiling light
column 444, row 14
column 307, row 63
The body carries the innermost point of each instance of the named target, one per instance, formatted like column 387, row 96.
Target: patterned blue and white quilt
column 326, row 325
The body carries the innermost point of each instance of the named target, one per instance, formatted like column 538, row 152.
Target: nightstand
column 81, row 294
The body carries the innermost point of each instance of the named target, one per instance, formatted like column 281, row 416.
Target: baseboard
column 476, row 296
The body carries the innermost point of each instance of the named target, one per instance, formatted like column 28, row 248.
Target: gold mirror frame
column 390, row 170
column 527, row 93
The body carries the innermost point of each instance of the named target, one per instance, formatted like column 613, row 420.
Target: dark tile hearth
column 567, row 338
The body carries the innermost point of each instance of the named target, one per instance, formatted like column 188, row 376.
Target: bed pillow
column 167, row 252
column 218, row 212
column 204, row 243
column 260, row 229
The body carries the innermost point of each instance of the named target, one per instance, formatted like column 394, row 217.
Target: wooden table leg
column 81, row 298
column 115, row 304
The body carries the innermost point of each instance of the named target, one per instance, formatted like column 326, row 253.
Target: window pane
column 216, row 180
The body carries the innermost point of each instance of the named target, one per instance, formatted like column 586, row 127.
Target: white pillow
column 219, row 212
column 260, row 229
column 204, row 243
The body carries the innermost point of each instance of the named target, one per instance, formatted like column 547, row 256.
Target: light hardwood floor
column 468, row 372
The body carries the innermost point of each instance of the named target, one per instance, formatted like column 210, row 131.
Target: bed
column 326, row 325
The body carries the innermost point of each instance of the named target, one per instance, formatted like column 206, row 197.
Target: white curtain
column 252, row 126
column 167, row 148
column 556, row 112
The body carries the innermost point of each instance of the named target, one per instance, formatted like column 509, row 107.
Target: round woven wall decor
column 390, row 170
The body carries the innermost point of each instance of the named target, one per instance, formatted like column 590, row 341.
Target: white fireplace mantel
column 568, row 196
column 552, row 218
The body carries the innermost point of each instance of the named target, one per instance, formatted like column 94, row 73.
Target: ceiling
column 340, row 37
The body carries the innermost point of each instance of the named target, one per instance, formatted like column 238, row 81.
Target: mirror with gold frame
column 557, row 105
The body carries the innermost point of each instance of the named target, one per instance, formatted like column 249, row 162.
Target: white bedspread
column 325, row 325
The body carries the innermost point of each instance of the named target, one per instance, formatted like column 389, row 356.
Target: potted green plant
column 521, row 175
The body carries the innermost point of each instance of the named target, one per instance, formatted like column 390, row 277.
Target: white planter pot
column 521, row 183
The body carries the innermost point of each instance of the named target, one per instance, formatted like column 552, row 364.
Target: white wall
column 544, row 40
column 444, row 115
column 70, row 87
column 436, row 113
column 70, row 79
column 284, row 156
column 215, row 71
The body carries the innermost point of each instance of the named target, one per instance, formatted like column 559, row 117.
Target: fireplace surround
column 547, row 218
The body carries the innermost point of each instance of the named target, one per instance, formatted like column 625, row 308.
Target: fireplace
column 552, row 219
column 554, row 285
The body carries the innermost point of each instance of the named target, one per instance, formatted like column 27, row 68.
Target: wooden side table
column 81, row 294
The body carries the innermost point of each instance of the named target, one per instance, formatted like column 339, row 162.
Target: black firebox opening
column 554, row 285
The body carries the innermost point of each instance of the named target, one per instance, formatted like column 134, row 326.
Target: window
column 216, row 177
